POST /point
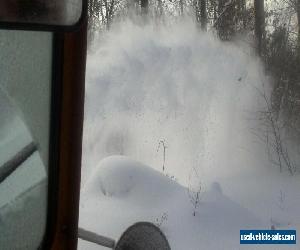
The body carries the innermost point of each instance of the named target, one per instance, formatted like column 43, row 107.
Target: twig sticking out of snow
column 194, row 192
column 162, row 142
column 160, row 221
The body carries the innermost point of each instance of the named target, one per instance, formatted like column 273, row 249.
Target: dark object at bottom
column 143, row 236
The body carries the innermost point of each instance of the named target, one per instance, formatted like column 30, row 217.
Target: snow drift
column 121, row 192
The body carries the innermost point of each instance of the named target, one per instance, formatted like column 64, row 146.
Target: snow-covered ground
column 182, row 106
column 122, row 192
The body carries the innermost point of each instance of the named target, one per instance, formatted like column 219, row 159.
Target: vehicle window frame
column 31, row 26
column 55, row 225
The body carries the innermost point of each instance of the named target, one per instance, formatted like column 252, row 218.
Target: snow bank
column 121, row 192
column 132, row 180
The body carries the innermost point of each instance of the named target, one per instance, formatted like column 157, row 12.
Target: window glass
column 25, row 84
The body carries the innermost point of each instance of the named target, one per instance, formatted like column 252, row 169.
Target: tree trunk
column 259, row 25
column 242, row 12
column 203, row 15
column 215, row 11
column 160, row 8
column 222, row 22
column 181, row 7
column 298, row 18
column 144, row 7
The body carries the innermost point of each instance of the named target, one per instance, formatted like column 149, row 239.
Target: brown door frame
column 67, row 120
column 67, row 111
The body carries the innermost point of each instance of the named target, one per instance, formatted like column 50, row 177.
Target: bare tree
column 259, row 24
column 298, row 18
column 109, row 7
column 200, row 8
column 181, row 7
column 228, row 16
column 160, row 8
column 272, row 134
column 242, row 12
column 144, row 6
column 102, row 12
column 203, row 15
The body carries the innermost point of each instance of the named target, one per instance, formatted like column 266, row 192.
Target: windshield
column 192, row 121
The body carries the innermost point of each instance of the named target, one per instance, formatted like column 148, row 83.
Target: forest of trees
column 271, row 27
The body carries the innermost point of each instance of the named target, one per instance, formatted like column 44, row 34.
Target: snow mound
column 120, row 177
column 122, row 192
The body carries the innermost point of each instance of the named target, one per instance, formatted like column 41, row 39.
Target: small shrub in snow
column 194, row 190
column 172, row 177
column 161, row 220
column 163, row 144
